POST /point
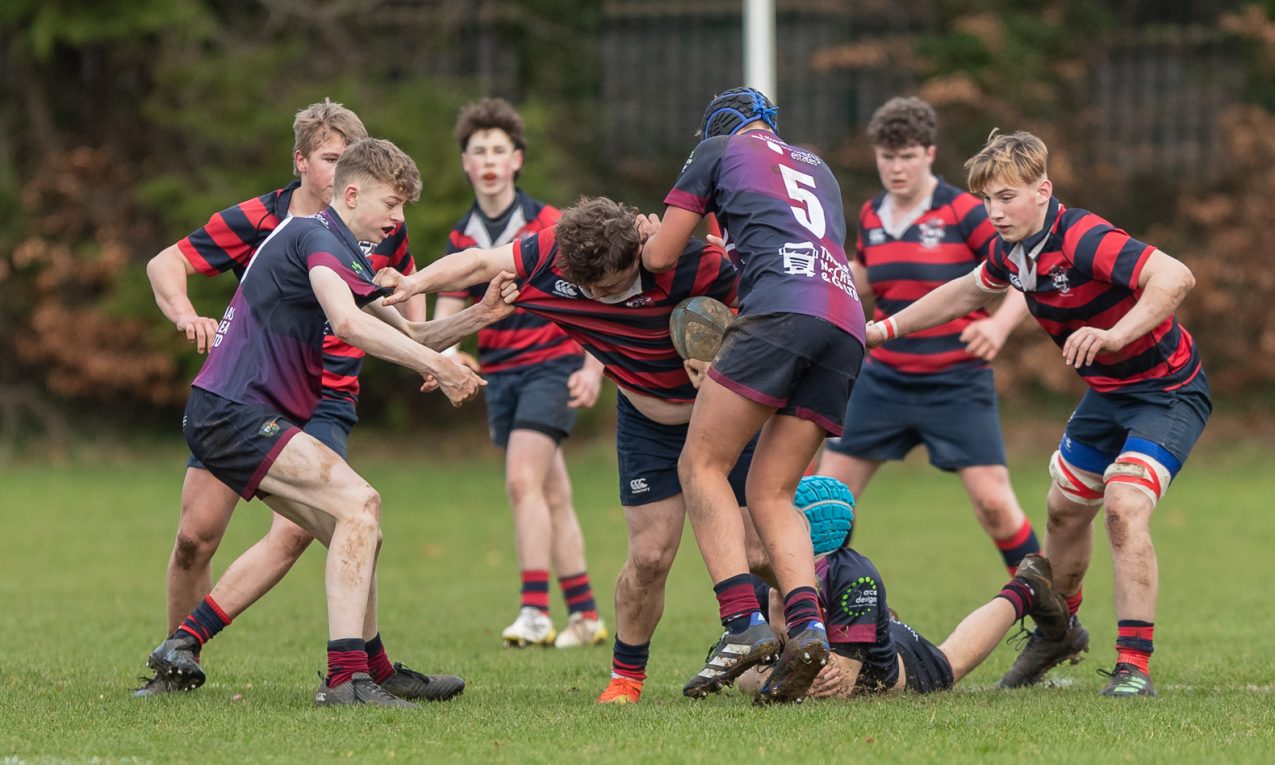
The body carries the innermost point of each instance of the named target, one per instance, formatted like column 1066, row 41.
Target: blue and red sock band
column 1018, row 546
column 579, row 595
column 1135, row 642
column 735, row 597
column 205, row 621
column 630, row 660
column 535, row 589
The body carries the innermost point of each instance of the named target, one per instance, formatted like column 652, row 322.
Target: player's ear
column 298, row 162
column 1045, row 190
column 517, row 160
column 350, row 195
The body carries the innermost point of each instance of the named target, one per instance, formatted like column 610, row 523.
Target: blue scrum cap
column 730, row 111
column 829, row 507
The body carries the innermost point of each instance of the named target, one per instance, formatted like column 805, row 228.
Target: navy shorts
column 927, row 669
column 1160, row 424
column 235, row 442
column 331, row 423
column 954, row 413
column 648, row 451
column 531, row 398
column 800, row 365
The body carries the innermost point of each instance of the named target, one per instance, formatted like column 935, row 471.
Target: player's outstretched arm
column 1163, row 282
column 445, row 306
column 985, row 338
column 497, row 304
column 666, row 243
column 167, row 273
column 956, row 298
column 453, row 272
column 383, row 341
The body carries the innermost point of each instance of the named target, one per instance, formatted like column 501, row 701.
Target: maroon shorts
column 236, row 442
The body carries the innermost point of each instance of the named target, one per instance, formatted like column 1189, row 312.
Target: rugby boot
column 176, row 661
column 621, row 690
column 532, row 627
column 804, row 656
column 1050, row 609
column 1127, row 680
column 155, row 686
column 581, row 631
column 407, row 683
column 1041, row 655
column 359, row 690
column 732, row 655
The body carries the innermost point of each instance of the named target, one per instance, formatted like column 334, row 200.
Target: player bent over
column 261, row 382
column 785, row 369
column 322, row 131
column 585, row 275
column 536, row 379
column 874, row 652
column 937, row 389
column 1108, row 301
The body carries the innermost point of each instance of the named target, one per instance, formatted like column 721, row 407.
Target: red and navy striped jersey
column 229, row 239
column 780, row 207
column 631, row 339
column 269, row 347
column 522, row 338
column 947, row 241
column 1085, row 274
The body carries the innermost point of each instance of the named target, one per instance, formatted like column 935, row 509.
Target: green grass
column 84, row 548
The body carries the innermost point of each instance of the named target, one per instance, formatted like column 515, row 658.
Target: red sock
column 1073, row 601
column 345, row 657
column 535, row 589
column 1018, row 546
column 1135, row 643
column 378, row 663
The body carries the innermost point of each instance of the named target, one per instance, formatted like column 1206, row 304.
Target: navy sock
column 630, row 660
column 205, row 621
column 801, row 606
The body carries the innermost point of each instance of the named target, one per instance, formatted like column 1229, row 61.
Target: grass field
column 84, row 548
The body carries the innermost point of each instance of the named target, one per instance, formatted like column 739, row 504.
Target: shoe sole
column 767, row 650
column 795, row 677
column 523, row 643
column 183, row 675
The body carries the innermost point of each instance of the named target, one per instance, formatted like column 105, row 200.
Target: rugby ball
column 697, row 325
column 828, row 505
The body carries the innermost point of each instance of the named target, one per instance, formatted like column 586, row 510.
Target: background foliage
column 126, row 125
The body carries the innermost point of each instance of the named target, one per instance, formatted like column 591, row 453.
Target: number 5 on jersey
column 800, row 190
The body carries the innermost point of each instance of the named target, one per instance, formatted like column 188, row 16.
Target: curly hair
column 316, row 122
column 1015, row 158
column 903, row 122
column 489, row 114
column 379, row 160
column 597, row 237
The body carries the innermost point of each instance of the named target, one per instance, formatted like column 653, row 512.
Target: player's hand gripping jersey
column 229, row 239
column 780, row 209
column 1080, row 271
column 269, row 347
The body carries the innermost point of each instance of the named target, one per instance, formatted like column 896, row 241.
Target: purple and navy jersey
column 268, row 349
column 1084, row 273
column 522, row 338
column 947, row 241
column 852, row 593
column 780, row 210
column 631, row 339
column 229, row 239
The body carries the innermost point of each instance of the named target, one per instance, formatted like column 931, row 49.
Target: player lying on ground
column 322, row 131
column 1108, row 301
column 874, row 652
column 536, row 376
column 586, row 276
column 785, row 369
column 261, row 383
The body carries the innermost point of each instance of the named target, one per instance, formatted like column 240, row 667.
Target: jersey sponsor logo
column 1059, row 277
column 810, row 260
column 860, row 597
column 564, row 288
column 801, row 155
column 224, row 326
column 357, row 266
column 270, row 427
column 931, row 233
column 876, row 236
column 639, row 486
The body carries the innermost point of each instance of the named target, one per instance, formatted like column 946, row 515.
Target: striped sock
column 630, row 660
column 1020, row 596
column 205, row 621
column 735, row 599
column 378, row 662
column 579, row 595
column 535, row 589
column 1073, row 601
column 345, row 657
column 801, row 606
column 1018, row 546
column 1135, row 643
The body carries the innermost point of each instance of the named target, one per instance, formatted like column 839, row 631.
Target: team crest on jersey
column 859, row 597
column 876, row 236
column 641, row 301
column 1059, row 277
column 1018, row 283
column 563, row 288
column 270, row 427
column 931, row 233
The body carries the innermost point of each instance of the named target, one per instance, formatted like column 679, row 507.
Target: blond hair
column 379, row 161
column 1018, row 159
column 316, row 122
